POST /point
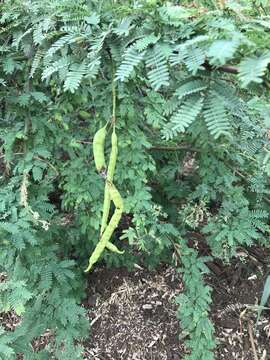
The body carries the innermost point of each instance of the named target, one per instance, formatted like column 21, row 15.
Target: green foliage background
column 193, row 123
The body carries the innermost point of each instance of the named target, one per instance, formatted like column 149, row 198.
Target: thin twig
column 225, row 68
column 227, row 79
column 2, row 156
column 244, row 177
column 48, row 163
column 251, row 338
column 95, row 319
column 113, row 98
column 228, row 69
column 173, row 148
column 84, row 142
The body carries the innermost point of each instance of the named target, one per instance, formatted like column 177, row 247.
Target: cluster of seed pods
column 110, row 194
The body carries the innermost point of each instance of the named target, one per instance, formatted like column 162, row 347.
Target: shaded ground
column 237, row 290
column 132, row 315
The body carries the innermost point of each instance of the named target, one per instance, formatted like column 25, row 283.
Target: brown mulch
column 133, row 314
column 237, row 291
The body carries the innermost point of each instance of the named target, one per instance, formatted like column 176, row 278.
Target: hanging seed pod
column 110, row 246
column 105, row 238
column 98, row 148
column 110, row 173
column 110, row 193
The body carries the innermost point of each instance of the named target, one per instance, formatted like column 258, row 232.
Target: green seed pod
column 110, row 173
column 114, row 248
column 110, row 193
column 116, row 197
column 96, row 254
column 106, row 209
column 105, row 238
column 98, row 148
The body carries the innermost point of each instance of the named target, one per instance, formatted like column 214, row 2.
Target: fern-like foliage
column 175, row 14
column 97, row 42
column 241, row 227
column 132, row 58
column 171, row 105
column 55, row 66
column 36, row 61
column 252, row 69
column 6, row 351
column 227, row 95
column 194, row 305
column 74, row 77
column 222, row 50
column 192, row 55
column 190, row 87
column 143, row 43
column 215, row 116
column 159, row 73
column 14, row 296
column 184, row 116
column 213, row 109
column 124, row 26
column 60, row 43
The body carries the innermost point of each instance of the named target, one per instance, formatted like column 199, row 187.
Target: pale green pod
column 110, row 173
column 105, row 238
column 96, row 254
column 116, row 197
column 110, row 193
column 113, row 223
column 106, row 209
column 110, row 246
column 98, row 148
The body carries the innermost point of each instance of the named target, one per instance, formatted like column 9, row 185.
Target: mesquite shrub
column 192, row 119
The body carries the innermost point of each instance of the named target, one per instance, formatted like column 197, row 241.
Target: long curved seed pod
column 110, row 193
column 110, row 173
column 98, row 148
column 116, row 197
column 110, row 246
column 104, row 239
column 96, row 254
column 106, row 209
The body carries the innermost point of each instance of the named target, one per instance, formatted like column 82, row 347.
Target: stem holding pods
column 110, row 191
